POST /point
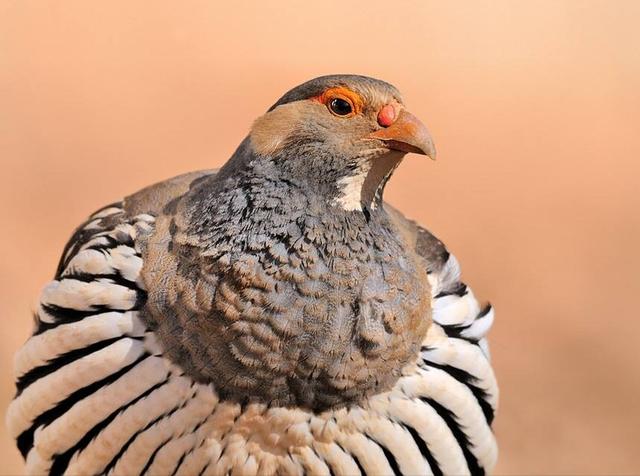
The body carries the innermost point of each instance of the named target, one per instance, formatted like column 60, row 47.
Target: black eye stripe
column 340, row 107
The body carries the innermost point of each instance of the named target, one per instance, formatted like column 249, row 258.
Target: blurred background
column 535, row 109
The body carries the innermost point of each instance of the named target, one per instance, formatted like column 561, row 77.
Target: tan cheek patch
column 270, row 132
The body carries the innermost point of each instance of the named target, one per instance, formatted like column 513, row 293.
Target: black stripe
column 67, row 314
column 459, row 290
column 81, row 235
column 125, row 447
column 71, row 249
column 61, row 461
column 331, row 473
column 424, row 449
column 450, row 419
column 192, row 449
column 64, row 315
column 206, row 466
column 456, row 330
column 25, row 439
column 353, row 457
column 393, row 464
column 110, row 278
column 118, row 204
column 184, row 455
column 123, row 237
column 153, row 455
column 109, row 245
column 60, row 316
column 221, row 438
column 60, row 361
column 484, row 311
column 469, row 380
column 358, row 464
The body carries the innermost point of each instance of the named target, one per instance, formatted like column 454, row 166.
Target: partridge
column 275, row 316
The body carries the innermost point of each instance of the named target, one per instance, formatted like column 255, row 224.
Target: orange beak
column 407, row 134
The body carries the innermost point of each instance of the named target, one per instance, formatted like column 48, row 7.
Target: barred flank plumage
column 95, row 394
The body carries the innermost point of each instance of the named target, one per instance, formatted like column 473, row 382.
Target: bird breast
column 319, row 316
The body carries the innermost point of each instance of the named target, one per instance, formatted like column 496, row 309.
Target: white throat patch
column 350, row 187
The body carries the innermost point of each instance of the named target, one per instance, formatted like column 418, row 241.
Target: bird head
column 340, row 135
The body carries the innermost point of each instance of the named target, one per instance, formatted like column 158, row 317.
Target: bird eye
column 340, row 107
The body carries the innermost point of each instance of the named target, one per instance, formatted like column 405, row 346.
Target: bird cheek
column 270, row 132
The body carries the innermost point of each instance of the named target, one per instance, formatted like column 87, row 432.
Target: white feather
column 42, row 348
column 184, row 436
column 195, row 410
column 463, row 355
column 70, row 427
column 100, row 451
column 456, row 396
column 79, row 295
column 429, row 425
column 47, row 391
column 480, row 327
column 447, row 277
column 369, row 454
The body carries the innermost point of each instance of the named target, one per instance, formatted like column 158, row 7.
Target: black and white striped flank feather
column 96, row 396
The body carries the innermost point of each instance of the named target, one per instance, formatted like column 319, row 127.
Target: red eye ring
column 341, row 101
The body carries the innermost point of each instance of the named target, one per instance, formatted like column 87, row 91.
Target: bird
column 273, row 316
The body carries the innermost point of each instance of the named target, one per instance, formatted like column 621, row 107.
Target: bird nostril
column 387, row 115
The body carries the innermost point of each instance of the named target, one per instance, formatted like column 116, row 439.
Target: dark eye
column 340, row 107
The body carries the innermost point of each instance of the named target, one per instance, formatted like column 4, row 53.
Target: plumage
column 272, row 317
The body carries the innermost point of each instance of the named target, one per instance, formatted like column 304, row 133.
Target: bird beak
column 407, row 134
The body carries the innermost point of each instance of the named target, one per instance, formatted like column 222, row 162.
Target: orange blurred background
column 535, row 109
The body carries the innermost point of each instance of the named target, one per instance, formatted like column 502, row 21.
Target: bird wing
column 97, row 395
column 94, row 393
column 456, row 312
column 455, row 308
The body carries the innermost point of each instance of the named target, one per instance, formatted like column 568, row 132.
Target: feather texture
column 96, row 395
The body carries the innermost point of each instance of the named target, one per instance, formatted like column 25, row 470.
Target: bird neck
column 340, row 184
column 247, row 201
